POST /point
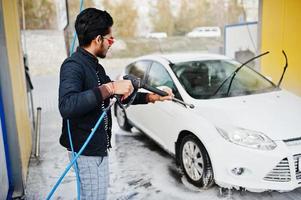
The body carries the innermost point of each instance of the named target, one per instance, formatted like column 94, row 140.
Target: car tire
column 195, row 162
column 122, row 119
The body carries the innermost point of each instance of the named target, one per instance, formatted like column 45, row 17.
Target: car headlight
column 248, row 138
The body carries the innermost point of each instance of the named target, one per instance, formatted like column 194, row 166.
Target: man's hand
column 155, row 97
column 121, row 87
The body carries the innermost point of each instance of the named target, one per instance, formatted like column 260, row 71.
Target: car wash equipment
column 81, row 149
column 137, row 83
column 81, row 7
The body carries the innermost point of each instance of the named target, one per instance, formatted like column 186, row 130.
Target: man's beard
column 101, row 53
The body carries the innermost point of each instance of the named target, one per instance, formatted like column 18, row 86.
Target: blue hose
column 75, row 164
column 77, row 155
column 75, row 35
column 74, row 156
column 68, row 123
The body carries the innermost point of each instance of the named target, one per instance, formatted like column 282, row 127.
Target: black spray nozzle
column 137, row 84
column 155, row 90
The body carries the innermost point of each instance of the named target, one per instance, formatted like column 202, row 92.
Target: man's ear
column 99, row 39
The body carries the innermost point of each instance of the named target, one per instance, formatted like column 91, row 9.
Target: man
column 84, row 92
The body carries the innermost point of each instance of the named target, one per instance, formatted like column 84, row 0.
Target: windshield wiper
column 233, row 74
column 284, row 70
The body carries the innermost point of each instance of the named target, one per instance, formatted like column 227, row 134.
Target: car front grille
column 281, row 173
column 297, row 167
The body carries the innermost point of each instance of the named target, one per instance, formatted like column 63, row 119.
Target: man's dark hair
column 90, row 23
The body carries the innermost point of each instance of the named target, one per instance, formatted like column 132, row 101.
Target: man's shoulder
column 74, row 61
column 75, row 58
column 72, row 64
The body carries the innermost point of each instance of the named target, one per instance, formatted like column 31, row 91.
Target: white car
column 205, row 32
column 250, row 138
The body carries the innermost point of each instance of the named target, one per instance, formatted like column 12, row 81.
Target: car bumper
column 278, row 169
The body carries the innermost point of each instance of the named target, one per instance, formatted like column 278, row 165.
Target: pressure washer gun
column 137, row 84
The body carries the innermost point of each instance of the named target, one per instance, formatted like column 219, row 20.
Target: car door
column 163, row 118
column 136, row 113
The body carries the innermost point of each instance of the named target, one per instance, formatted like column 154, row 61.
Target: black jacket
column 80, row 101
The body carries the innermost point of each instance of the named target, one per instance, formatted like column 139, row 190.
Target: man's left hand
column 155, row 97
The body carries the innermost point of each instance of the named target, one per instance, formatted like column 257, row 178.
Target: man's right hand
column 123, row 87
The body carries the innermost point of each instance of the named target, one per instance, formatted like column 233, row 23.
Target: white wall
column 240, row 37
column 45, row 49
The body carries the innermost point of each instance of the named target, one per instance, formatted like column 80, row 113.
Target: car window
column 201, row 79
column 138, row 69
column 194, row 76
column 158, row 76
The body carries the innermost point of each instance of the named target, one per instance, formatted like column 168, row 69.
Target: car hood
column 276, row 114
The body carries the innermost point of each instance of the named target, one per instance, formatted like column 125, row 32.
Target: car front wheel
column 122, row 119
column 195, row 162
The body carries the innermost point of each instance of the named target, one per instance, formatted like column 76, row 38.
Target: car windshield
column 201, row 79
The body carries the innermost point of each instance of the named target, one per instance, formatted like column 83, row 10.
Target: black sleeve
column 73, row 101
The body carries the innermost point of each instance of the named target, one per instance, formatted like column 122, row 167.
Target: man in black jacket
column 84, row 92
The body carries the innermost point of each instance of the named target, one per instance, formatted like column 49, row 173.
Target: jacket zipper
column 106, row 120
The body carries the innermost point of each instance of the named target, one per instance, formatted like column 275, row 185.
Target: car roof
column 184, row 57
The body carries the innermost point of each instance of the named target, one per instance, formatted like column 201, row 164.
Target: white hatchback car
column 250, row 138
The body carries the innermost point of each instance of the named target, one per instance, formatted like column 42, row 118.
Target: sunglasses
column 111, row 40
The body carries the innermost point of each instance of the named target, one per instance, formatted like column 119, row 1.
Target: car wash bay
column 138, row 166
